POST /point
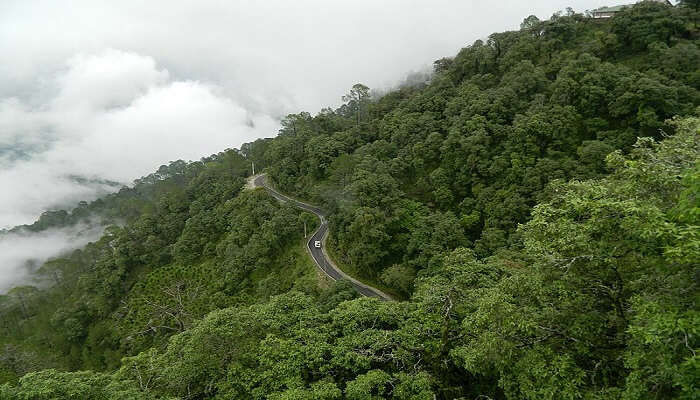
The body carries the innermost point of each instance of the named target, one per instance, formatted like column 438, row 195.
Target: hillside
column 533, row 206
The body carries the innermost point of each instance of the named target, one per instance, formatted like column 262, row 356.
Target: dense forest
column 532, row 206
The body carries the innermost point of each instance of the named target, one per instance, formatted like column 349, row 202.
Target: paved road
column 319, row 255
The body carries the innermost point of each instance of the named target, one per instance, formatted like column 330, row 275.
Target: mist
column 111, row 116
column 23, row 252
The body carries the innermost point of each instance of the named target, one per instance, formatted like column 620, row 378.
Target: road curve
column 320, row 256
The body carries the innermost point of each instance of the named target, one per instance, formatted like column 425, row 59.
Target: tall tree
column 359, row 94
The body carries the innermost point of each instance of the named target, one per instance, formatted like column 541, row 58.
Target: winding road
column 319, row 255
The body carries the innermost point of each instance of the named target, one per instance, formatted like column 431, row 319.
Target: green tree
column 530, row 22
column 357, row 98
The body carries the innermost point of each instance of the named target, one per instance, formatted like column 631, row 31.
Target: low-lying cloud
column 111, row 116
column 23, row 252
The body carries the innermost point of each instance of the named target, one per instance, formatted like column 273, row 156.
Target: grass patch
column 293, row 270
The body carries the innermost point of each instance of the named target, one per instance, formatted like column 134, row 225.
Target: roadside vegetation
column 535, row 203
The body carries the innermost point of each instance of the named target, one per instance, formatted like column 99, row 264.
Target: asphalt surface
column 318, row 254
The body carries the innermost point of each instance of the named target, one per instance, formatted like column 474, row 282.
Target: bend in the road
column 319, row 255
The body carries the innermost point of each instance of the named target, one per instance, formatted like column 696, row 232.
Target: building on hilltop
column 607, row 12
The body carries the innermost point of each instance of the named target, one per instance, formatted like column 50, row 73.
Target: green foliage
column 536, row 204
column 51, row 384
column 607, row 302
column 598, row 302
column 481, row 142
column 195, row 245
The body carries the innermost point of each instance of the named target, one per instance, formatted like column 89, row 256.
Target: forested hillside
column 461, row 161
column 534, row 206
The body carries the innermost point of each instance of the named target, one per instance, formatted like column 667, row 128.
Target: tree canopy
column 533, row 206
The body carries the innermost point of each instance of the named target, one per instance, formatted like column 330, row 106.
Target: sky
column 110, row 90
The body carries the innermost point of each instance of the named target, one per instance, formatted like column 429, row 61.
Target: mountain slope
column 543, row 250
column 462, row 160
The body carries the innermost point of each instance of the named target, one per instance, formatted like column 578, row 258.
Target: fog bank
column 22, row 253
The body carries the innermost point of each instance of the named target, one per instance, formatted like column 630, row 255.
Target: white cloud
column 113, row 115
column 22, row 252
column 110, row 79
column 274, row 55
